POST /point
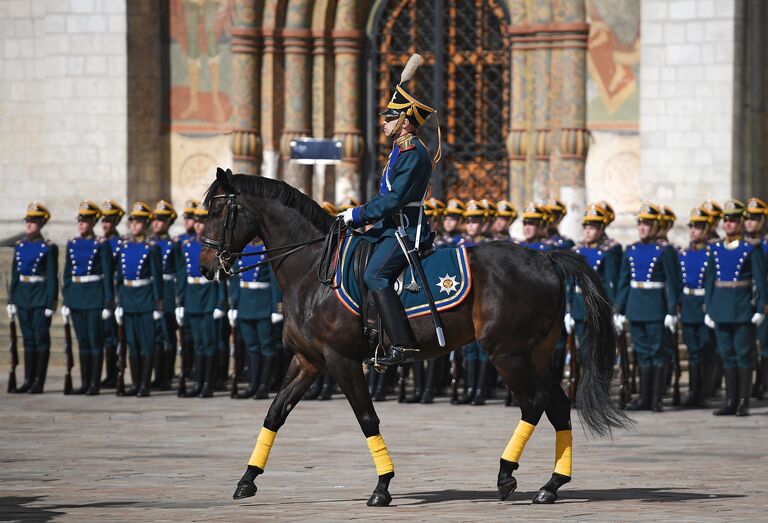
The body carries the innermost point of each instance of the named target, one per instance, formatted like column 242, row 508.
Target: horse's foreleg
column 559, row 415
column 301, row 373
column 348, row 373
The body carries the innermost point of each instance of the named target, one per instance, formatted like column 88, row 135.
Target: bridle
column 224, row 254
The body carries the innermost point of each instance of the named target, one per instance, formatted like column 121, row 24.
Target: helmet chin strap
column 398, row 126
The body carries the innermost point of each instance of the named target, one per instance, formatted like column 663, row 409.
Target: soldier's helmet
column 88, row 211
column 38, row 212
column 403, row 104
column 609, row 212
column 165, row 211
column 329, row 208
column 506, row 210
column 556, row 210
column 668, row 216
column 650, row 212
column 455, row 208
column 201, row 213
column 490, row 209
column 475, row 209
column 734, row 208
column 699, row 215
column 347, row 203
column 140, row 211
column 536, row 211
column 434, row 207
column 713, row 209
column 189, row 208
column 595, row 214
column 756, row 208
column 112, row 211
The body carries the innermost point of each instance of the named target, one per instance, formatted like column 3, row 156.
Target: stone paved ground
column 169, row 459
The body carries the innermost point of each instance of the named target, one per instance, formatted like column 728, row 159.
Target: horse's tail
column 593, row 394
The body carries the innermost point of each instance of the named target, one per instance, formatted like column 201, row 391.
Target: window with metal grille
column 465, row 76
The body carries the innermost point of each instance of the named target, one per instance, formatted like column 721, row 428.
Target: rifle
column 677, row 370
column 455, row 377
column 70, row 359
column 234, row 353
column 121, row 355
column 13, row 347
column 183, row 357
column 625, row 391
column 571, row 366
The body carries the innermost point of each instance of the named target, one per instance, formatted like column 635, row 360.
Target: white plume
column 410, row 68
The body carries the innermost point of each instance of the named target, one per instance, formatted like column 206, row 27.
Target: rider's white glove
column 346, row 216
column 48, row 313
column 709, row 322
column 11, row 311
column 64, row 312
column 105, row 314
column 119, row 315
column 232, row 316
column 757, row 319
column 179, row 315
column 277, row 317
column 156, row 315
column 618, row 322
column 569, row 322
column 218, row 314
column 669, row 322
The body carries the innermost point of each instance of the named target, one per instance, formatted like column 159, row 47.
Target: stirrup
column 380, row 368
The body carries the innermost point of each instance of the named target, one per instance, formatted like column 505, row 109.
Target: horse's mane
column 276, row 190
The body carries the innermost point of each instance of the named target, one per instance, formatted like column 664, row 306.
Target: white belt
column 254, row 284
column 168, row 277
column 688, row 291
column 646, row 284
column 197, row 280
column 138, row 283
column 87, row 279
column 31, row 279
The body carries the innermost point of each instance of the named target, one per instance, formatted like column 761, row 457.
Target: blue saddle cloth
column 447, row 272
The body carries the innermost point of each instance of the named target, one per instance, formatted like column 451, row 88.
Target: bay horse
column 514, row 309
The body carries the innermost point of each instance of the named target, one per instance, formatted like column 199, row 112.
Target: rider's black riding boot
column 254, row 360
column 659, row 386
column 267, row 365
column 135, row 365
column 643, row 401
column 85, row 373
column 418, row 383
column 482, row 379
column 209, row 376
column 146, row 376
column 41, row 370
column 745, row 390
column 97, row 361
column 731, row 392
column 402, row 346
column 470, row 382
column 328, row 384
column 198, row 371
column 30, row 357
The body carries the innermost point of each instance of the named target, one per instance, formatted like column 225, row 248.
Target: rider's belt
column 138, row 283
column 689, row 291
column 87, row 279
column 168, row 277
column 733, row 284
column 576, row 289
column 31, row 279
column 254, row 284
column 197, row 280
column 646, row 284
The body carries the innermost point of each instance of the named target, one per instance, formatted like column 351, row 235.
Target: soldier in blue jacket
column 87, row 295
column 111, row 215
column 403, row 187
column 33, row 295
column 452, row 217
column 138, row 287
column 188, row 217
column 506, row 214
column 754, row 228
column 165, row 328
column 535, row 220
column 556, row 212
column 697, row 336
column 254, row 303
column 733, row 308
column 199, row 302
column 647, row 294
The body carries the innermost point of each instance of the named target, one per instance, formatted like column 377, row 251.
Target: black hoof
column 379, row 498
column 245, row 489
column 506, row 487
column 544, row 497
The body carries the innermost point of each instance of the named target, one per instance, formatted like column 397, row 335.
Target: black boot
column 380, row 394
column 429, row 382
column 85, row 373
column 41, row 370
column 314, row 390
column 731, row 392
column 30, row 357
column 97, row 360
column 158, row 364
column 110, row 370
column 762, row 371
column 169, row 361
column 745, row 390
column 327, row 391
column 695, row 388
column 209, row 376
column 402, row 346
column 470, row 382
column 482, row 380
column 146, row 376
column 643, row 401
column 254, row 359
column 135, row 368
column 267, row 365
column 659, row 386
column 198, row 372
column 418, row 383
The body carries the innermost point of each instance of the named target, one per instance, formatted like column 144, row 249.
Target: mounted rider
column 399, row 202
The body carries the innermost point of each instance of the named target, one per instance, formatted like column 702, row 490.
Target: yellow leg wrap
column 260, row 453
column 380, row 455
column 517, row 443
column 564, row 452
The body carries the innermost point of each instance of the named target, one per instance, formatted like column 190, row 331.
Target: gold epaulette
column 406, row 142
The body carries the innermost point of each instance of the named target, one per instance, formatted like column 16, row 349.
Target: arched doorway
column 465, row 75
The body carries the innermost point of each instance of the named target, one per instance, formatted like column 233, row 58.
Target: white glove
column 180, row 315
column 64, row 312
column 346, row 216
column 218, row 314
column 48, row 313
column 709, row 322
column 119, row 315
column 105, row 314
column 11, row 311
column 569, row 322
column 156, row 315
column 669, row 322
column 757, row 319
column 232, row 316
column 277, row 317
column 618, row 322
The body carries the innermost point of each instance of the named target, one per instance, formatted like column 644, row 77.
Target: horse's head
column 229, row 228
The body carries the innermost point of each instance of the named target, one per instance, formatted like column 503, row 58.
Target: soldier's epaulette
column 407, row 142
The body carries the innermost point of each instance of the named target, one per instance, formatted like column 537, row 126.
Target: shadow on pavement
column 13, row 508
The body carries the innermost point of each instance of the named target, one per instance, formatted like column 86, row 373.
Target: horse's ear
column 222, row 177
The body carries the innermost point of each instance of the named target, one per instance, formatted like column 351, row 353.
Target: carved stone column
column 518, row 139
column 271, row 109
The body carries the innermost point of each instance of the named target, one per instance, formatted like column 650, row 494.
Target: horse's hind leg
column 301, row 373
column 559, row 414
column 348, row 373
